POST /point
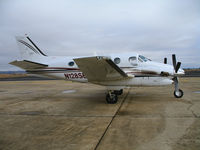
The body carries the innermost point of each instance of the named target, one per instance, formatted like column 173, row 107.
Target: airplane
column 114, row 71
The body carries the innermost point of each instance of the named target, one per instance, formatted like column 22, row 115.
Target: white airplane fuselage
column 144, row 72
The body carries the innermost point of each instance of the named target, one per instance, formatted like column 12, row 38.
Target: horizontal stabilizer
column 100, row 69
column 28, row 65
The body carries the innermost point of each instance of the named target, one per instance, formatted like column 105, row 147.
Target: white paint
column 68, row 91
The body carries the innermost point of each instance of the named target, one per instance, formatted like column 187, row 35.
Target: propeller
column 165, row 60
column 176, row 65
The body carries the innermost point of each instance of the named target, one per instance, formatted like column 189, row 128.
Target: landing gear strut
column 112, row 96
column 178, row 93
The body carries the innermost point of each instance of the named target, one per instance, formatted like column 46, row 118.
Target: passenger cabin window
column 71, row 63
column 133, row 60
column 117, row 60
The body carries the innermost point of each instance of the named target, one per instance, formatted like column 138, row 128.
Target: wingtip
column 12, row 62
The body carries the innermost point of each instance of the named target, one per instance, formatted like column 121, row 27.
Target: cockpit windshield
column 144, row 58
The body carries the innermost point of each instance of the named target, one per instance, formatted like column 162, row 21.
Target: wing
column 100, row 69
column 28, row 65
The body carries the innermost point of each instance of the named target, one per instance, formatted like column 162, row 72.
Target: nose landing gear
column 178, row 93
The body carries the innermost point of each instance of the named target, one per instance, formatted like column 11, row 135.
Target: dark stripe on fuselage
column 144, row 74
column 49, row 71
column 64, row 70
column 147, row 75
column 36, row 47
column 55, row 70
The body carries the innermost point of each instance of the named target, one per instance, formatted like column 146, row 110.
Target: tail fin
column 28, row 50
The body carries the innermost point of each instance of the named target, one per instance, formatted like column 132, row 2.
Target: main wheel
column 118, row 92
column 111, row 98
column 178, row 94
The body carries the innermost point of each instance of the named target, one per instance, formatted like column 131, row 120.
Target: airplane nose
column 181, row 72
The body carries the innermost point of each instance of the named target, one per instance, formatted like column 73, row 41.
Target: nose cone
column 181, row 72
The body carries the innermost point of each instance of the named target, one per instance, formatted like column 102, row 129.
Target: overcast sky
column 154, row 28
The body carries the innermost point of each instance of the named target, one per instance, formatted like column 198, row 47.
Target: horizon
column 21, row 70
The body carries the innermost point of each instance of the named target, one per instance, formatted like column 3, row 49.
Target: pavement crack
column 195, row 114
column 189, row 109
column 113, row 117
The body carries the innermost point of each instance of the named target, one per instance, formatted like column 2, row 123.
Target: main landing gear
column 112, row 96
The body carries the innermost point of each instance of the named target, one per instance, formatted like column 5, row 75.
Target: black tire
column 111, row 100
column 118, row 92
column 178, row 94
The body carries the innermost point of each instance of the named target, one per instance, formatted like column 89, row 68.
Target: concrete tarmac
column 57, row 115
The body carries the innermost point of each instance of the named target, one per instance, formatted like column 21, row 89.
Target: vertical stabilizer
column 28, row 50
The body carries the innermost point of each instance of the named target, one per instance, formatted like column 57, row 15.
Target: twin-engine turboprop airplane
column 115, row 71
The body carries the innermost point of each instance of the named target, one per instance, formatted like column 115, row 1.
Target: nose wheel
column 178, row 93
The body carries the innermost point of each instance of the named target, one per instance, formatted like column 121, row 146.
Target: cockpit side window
column 143, row 58
column 140, row 59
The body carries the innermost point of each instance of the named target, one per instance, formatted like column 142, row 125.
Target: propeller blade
column 165, row 60
column 174, row 61
column 177, row 67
